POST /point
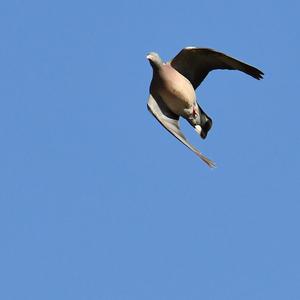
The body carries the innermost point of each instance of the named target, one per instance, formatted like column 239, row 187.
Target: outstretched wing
column 195, row 63
column 170, row 121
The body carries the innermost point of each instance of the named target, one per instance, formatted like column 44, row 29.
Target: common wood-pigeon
column 173, row 85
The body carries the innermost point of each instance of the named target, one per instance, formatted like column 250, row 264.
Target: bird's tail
column 205, row 123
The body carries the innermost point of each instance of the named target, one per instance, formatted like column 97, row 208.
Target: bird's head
column 154, row 60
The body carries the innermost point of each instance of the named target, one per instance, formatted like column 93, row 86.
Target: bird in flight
column 173, row 85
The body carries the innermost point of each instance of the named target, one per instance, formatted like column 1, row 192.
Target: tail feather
column 205, row 123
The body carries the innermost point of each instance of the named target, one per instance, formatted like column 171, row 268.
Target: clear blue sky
column 98, row 201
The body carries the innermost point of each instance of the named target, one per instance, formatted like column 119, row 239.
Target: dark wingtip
column 260, row 75
column 252, row 71
column 257, row 74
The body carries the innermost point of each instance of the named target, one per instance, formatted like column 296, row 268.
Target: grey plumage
column 172, row 89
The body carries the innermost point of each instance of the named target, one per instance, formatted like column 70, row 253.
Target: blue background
column 98, row 201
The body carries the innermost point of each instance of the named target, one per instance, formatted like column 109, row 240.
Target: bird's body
column 170, row 84
column 173, row 85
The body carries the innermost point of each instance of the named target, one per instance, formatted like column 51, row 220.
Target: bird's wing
column 195, row 63
column 170, row 121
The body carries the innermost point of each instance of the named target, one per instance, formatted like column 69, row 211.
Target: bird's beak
column 148, row 56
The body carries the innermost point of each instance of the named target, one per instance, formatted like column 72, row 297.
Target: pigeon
column 173, row 85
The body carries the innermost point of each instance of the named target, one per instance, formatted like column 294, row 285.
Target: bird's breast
column 176, row 91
